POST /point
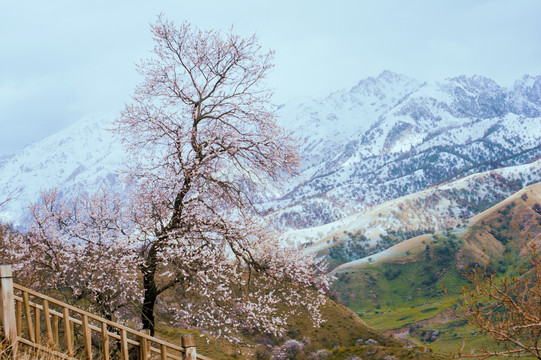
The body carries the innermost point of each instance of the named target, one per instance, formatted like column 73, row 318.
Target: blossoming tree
column 202, row 139
column 81, row 248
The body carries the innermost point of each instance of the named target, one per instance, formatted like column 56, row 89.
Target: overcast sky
column 64, row 60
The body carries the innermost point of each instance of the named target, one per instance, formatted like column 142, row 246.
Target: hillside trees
column 508, row 309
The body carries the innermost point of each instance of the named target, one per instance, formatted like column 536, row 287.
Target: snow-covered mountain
column 391, row 136
column 387, row 137
column 83, row 157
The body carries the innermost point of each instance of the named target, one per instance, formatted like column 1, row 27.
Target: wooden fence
column 38, row 324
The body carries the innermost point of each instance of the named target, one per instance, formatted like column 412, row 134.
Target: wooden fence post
column 144, row 346
column 7, row 305
column 68, row 332
column 87, row 337
column 188, row 343
column 104, row 341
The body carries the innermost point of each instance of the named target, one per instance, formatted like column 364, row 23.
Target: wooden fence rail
column 45, row 325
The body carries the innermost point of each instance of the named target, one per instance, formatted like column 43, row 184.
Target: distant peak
column 478, row 80
column 385, row 77
column 527, row 81
column 387, row 74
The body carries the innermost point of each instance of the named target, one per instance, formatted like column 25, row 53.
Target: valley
column 412, row 289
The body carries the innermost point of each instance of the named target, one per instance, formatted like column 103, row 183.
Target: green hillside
column 341, row 335
column 401, row 292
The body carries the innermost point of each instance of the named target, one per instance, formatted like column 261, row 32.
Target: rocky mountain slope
column 391, row 136
column 81, row 157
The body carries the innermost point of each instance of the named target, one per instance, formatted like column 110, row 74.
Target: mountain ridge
column 386, row 137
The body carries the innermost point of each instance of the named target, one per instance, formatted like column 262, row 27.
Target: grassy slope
column 404, row 290
column 339, row 335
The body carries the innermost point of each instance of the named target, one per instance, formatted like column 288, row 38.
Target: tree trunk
column 147, row 313
column 150, row 290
